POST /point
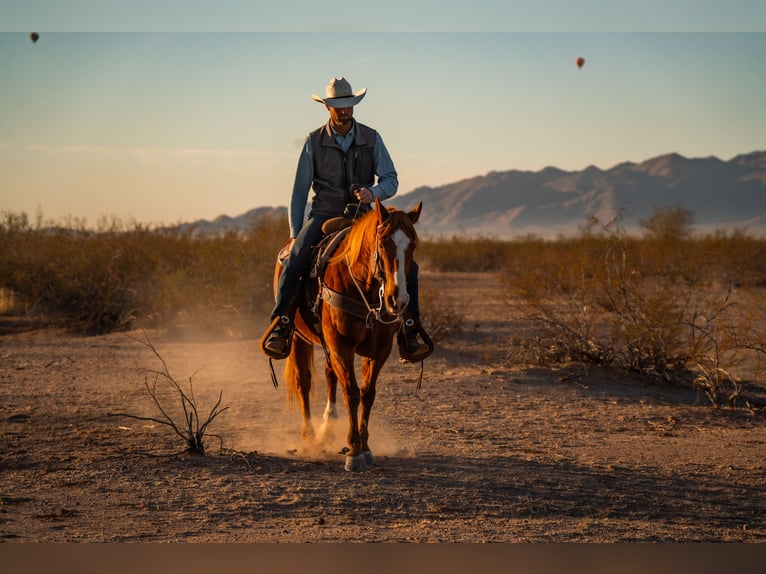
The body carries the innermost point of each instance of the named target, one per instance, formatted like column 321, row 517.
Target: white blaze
column 402, row 242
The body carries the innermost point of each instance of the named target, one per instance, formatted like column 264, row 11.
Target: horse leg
column 330, row 415
column 298, row 376
column 370, row 371
column 343, row 366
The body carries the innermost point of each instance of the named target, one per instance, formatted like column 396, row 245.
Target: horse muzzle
column 395, row 303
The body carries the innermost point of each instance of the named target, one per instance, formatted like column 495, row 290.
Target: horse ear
column 383, row 213
column 415, row 213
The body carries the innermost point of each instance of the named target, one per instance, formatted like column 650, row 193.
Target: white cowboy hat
column 338, row 94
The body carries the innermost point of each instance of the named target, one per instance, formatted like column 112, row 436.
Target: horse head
column 395, row 244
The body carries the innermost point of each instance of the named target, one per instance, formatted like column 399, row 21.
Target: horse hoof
column 356, row 463
column 367, row 457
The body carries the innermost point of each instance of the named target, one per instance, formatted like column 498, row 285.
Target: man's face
column 341, row 117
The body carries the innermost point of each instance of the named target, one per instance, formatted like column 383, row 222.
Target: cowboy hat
column 338, row 94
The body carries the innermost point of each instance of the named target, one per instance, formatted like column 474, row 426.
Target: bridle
column 379, row 274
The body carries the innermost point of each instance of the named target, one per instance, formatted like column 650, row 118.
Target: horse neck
column 359, row 256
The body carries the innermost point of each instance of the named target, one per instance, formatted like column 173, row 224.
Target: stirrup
column 280, row 321
column 405, row 355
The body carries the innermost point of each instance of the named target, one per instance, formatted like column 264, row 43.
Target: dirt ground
column 485, row 451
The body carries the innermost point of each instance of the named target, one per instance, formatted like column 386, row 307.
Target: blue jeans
column 297, row 265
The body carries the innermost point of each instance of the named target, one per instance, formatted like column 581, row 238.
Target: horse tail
column 299, row 368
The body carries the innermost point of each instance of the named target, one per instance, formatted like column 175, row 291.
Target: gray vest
column 335, row 172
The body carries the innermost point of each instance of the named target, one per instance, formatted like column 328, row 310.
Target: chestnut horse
column 361, row 297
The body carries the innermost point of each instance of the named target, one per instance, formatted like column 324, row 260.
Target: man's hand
column 363, row 194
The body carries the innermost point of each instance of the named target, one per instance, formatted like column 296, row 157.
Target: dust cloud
column 260, row 418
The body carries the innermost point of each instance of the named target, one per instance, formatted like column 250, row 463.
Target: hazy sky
column 168, row 111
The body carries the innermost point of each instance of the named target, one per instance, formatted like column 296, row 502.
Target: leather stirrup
column 404, row 353
column 269, row 352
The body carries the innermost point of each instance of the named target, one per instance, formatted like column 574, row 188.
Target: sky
column 165, row 111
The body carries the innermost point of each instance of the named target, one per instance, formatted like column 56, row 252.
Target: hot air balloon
column 34, row 36
column 580, row 62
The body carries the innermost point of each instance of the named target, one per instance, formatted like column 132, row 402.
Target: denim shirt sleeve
column 304, row 175
column 388, row 180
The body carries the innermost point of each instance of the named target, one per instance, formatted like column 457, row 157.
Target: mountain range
column 721, row 195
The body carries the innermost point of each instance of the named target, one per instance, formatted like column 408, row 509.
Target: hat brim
column 345, row 102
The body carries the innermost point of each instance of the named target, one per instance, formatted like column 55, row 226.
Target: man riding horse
column 340, row 162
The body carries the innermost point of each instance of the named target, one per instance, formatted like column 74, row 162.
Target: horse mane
column 360, row 239
column 360, row 242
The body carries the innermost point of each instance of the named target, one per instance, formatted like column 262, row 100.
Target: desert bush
column 669, row 224
column 664, row 304
column 184, row 421
column 463, row 253
column 120, row 275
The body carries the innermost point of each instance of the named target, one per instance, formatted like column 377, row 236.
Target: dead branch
column 193, row 429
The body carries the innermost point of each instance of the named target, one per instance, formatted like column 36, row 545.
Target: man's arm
column 304, row 174
column 388, row 180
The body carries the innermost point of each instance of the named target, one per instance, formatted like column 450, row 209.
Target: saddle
column 311, row 288
column 334, row 234
column 336, row 224
column 321, row 253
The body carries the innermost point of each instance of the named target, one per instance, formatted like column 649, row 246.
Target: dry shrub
column 463, row 253
column 185, row 420
column 665, row 305
column 438, row 313
column 123, row 275
column 8, row 304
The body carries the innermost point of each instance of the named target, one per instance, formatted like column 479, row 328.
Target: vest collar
column 358, row 130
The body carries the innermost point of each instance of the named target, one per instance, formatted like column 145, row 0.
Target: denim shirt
column 385, row 187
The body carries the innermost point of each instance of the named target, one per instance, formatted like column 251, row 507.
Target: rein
column 376, row 312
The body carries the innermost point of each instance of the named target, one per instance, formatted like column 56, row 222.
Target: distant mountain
column 722, row 195
column 224, row 223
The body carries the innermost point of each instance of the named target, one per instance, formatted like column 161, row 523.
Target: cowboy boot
column 411, row 349
column 277, row 340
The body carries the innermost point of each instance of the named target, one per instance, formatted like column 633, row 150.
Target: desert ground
column 487, row 450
